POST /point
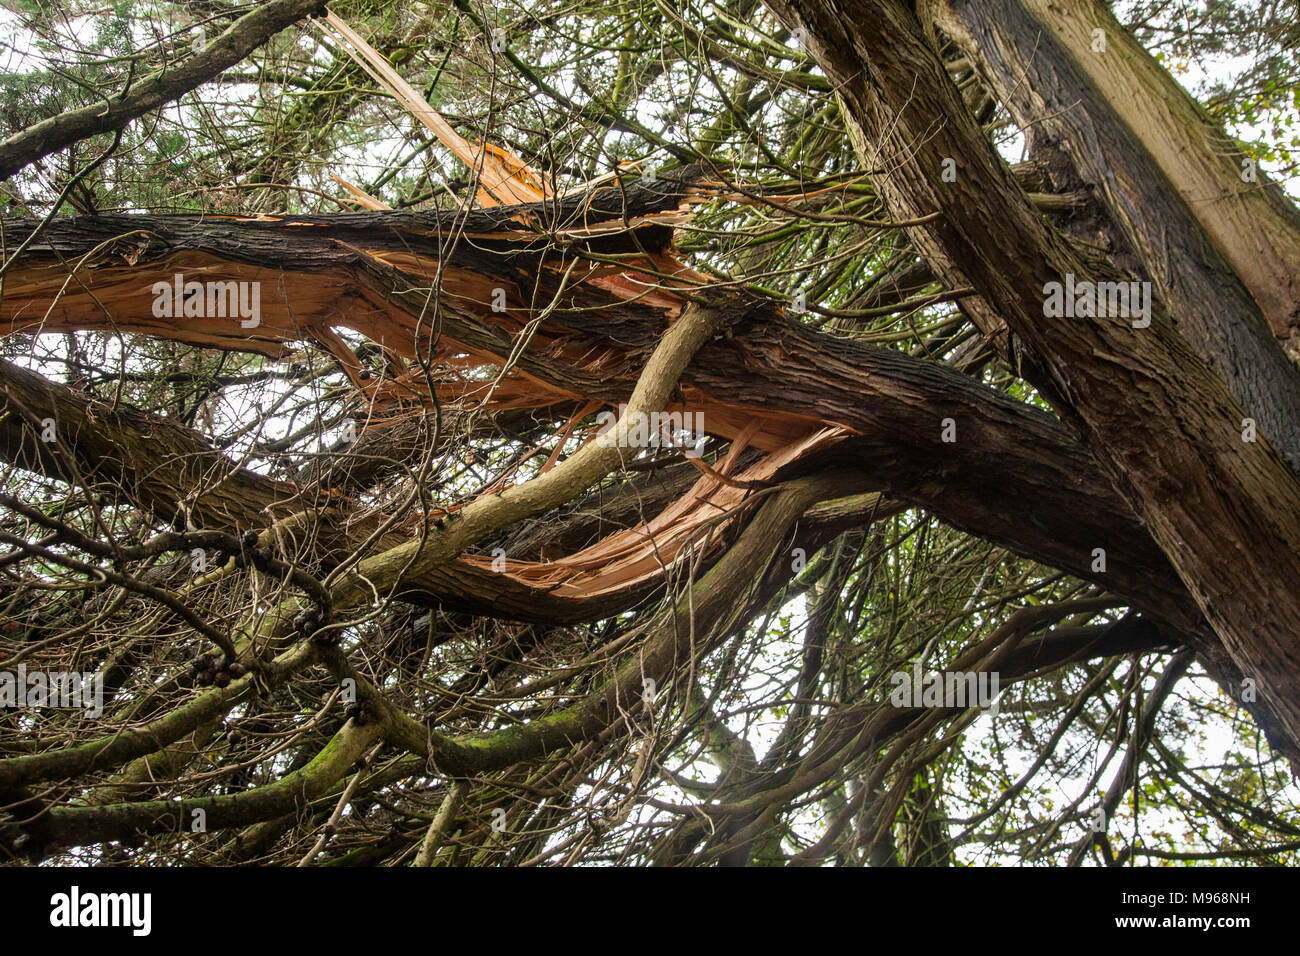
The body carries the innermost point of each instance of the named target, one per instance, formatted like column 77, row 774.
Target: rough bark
column 1138, row 135
column 1226, row 512
column 1115, row 122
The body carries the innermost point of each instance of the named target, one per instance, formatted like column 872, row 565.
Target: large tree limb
column 154, row 462
column 242, row 37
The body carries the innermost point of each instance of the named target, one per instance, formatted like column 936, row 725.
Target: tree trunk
column 1226, row 512
column 1136, row 135
column 1113, row 121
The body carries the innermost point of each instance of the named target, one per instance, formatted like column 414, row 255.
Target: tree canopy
column 820, row 432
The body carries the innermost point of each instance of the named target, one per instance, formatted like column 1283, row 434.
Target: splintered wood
column 531, row 301
column 508, row 303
